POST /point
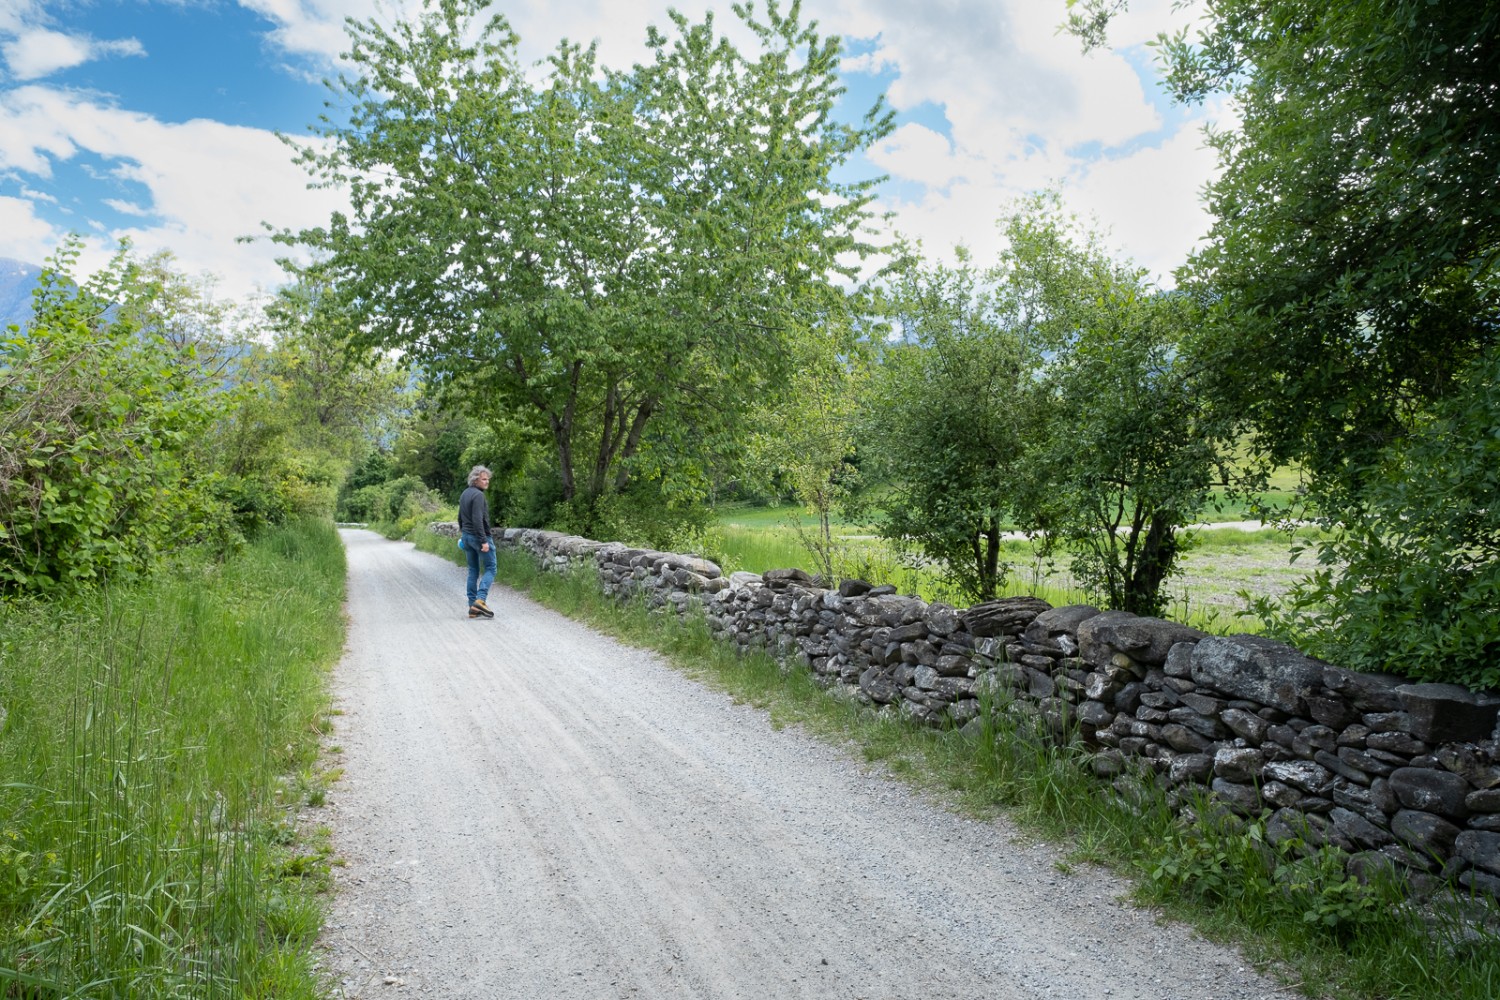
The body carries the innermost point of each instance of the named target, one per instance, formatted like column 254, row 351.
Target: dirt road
column 530, row 810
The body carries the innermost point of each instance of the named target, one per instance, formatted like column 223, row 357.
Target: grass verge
column 157, row 742
column 1323, row 933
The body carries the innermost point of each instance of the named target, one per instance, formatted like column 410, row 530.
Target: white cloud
column 27, row 236
column 126, row 207
column 37, row 52
column 209, row 183
column 1018, row 107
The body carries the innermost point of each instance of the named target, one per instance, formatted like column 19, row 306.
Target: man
column 479, row 548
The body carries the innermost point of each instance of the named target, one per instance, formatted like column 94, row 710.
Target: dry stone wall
column 1398, row 775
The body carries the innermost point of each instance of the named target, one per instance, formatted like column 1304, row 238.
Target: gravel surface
column 531, row 810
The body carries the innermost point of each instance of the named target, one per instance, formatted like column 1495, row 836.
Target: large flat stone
column 1257, row 669
column 1447, row 713
column 1145, row 640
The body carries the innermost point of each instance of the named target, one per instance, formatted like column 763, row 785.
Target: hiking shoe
column 475, row 613
column 481, row 610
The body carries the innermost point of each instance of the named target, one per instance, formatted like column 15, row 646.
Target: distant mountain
column 17, row 279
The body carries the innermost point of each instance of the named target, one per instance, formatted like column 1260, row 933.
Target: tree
column 947, row 418
column 620, row 254
column 1351, row 267
column 805, row 434
column 1128, row 459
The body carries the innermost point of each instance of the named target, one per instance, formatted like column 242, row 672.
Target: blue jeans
column 479, row 585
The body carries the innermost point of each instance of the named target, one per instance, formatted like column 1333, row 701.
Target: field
column 1221, row 567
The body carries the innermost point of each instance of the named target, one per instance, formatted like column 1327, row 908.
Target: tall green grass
column 150, row 732
column 1303, row 919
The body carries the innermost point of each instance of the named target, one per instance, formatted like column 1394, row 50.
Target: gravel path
column 530, row 810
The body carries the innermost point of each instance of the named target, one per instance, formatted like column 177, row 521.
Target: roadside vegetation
column 1303, row 921
column 159, row 741
column 643, row 297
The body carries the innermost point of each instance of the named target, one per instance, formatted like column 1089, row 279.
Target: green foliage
column 947, row 418
column 1047, row 391
column 1351, row 274
column 616, row 256
column 1353, row 253
column 98, row 417
column 1413, row 583
column 1128, row 456
column 804, row 437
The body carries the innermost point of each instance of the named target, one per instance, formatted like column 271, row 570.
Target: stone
column 1357, row 798
column 1424, row 832
column 1194, row 768
column 1480, row 882
column 1362, row 761
column 1203, row 704
column 925, row 678
column 1128, row 699
column 1095, row 713
column 1331, row 711
column 1447, row 713
column 1007, row 616
column 1281, row 795
column 1288, row 826
column 1467, row 760
column 1401, row 743
column 1354, row 735
column 1183, row 739
column 942, row 619
column 1387, row 722
column 780, row 578
column 1251, row 728
column 1242, row 798
column 1145, row 640
column 1381, row 795
column 855, row 588
column 1337, row 766
column 1179, row 661
column 1305, row 775
column 953, row 666
column 879, row 686
column 910, row 632
column 1358, row 829
column 1039, row 685
column 1239, row 764
column 1054, row 622
column 1364, row 692
column 1108, row 763
column 1258, row 669
column 1203, row 725
column 1485, row 800
column 1479, row 848
column 1441, row 792
column 964, row 711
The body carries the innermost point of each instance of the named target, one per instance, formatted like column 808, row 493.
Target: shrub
column 96, row 420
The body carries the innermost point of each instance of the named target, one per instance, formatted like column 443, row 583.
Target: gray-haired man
column 474, row 531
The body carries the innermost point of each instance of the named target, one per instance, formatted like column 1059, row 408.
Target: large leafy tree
column 1352, row 270
column 1356, row 230
column 620, row 254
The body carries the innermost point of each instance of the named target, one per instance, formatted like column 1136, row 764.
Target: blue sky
column 156, row 121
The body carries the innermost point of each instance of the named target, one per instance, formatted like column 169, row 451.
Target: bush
column 96, row 421
column 1409, row 581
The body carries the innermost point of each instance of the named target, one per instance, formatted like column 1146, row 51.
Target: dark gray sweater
column 474, row 513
